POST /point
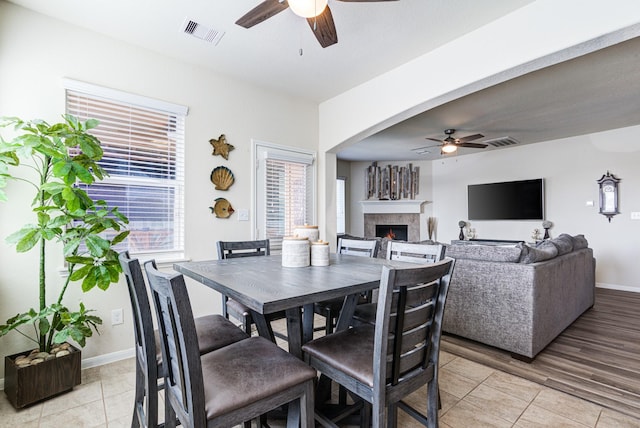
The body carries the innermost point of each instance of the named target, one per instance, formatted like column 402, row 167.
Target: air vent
column 502, row 142
column 202, row 32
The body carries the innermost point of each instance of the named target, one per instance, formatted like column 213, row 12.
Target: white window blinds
column 286, row 192
column 143, row 143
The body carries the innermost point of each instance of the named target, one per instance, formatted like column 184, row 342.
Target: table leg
column 294, row 331
column 263, row 326
column 307, row 323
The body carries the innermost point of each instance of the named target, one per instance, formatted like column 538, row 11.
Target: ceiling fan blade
column 262, row 12
column 434, row 139
column 470, row 138
column 472, row 145
column 324, row 28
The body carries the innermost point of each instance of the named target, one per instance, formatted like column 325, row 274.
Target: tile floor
column 472, row 396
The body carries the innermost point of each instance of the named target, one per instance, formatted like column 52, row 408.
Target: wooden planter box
column 28, row 385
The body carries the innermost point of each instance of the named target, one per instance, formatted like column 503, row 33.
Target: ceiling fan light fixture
column 449, row 148
column 307, row 8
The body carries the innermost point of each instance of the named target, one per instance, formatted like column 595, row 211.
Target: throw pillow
column 579, row 242
column 564, row 244
column 544, row 251
column 491, row 253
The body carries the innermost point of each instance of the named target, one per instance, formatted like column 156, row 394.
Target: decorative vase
column 461, row 236
column 546, row 233
column 27, row 385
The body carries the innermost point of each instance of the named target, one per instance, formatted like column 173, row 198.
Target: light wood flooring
column 597, row 358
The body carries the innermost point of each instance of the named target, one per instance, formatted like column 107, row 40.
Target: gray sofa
column 518, row 297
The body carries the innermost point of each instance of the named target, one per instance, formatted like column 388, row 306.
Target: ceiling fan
column 317, row 13
column 451, row 144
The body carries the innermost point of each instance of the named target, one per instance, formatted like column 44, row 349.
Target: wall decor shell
column 222, row 208
column 221, row 147
column 222, row 177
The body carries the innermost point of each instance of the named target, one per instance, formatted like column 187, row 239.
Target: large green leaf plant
column 62, row 156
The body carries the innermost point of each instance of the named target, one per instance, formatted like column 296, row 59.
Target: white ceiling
column 592, row 93
column 372, row 37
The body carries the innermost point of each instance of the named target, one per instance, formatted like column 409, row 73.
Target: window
column 340, row 205
column 285, row 191
column 143, row 144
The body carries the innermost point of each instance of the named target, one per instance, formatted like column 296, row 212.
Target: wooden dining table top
column 265, row 286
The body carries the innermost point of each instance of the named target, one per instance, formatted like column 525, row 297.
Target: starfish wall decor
column 221, row 147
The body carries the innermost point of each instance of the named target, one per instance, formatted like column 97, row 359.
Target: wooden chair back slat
column 414, row 253
column 358, row 247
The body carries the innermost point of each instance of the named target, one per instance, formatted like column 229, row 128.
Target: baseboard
column 99, row 360
column 618, row 287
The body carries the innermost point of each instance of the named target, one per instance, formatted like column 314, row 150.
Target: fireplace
column 392, row 231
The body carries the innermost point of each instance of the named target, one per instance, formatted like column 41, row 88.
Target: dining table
column 264, row 286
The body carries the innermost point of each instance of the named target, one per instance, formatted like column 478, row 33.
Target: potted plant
column 63, row 159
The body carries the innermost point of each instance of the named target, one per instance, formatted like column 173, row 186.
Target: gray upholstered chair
column 406, row 252
column 330, row 309
column 232, row 308
column 213, row 332
column 227, row 386
column 385, row 362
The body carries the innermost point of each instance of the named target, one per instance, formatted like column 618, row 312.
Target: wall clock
column 608, row 194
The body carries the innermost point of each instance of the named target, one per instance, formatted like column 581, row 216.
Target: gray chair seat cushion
column 366, row 313
column 247, row 371
column 214, row 332
column 349, row 350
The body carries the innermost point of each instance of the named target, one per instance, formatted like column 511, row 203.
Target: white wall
column 36, row 52
column 570, row 168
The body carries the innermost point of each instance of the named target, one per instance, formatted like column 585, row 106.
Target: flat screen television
column 512, row 200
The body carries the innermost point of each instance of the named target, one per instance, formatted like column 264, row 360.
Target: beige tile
column 465, row 415
column 470, row 369
column 81, row 394
column 118, row 384
column 123, row 422
column 11, row 417
column 455, row 384
column 119, row 405
column 568, row 406
column 445, row 358
column 87, row 415
column 119, row 367
column 537, row 417
column 497, row 403
column 513, row 385
column 612, row 419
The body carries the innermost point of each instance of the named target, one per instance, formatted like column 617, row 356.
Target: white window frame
column 341, row 201
column 108, row 94
column 260, row 151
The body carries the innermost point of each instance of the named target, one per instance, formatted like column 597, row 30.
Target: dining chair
column 212, row 331
column 330, row 309
column 230, row 307
column 384, row 363
column 230, row 385
column 406, row 252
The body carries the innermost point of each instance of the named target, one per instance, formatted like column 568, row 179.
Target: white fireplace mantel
column 402, row 206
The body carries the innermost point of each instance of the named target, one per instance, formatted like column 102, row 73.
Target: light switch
column 635, row 215
column 243, row 215
column 589, row 203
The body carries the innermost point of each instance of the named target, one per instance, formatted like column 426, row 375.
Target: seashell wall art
column 222, row 178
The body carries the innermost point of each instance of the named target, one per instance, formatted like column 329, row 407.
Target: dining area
column 246, row 377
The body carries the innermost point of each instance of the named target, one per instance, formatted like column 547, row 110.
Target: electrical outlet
column 117, row 317
column 635, row 215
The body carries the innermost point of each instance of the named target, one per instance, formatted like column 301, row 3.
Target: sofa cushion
column 579, row 242
column 544, row 251
column 491, row 253
column 564, row 244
